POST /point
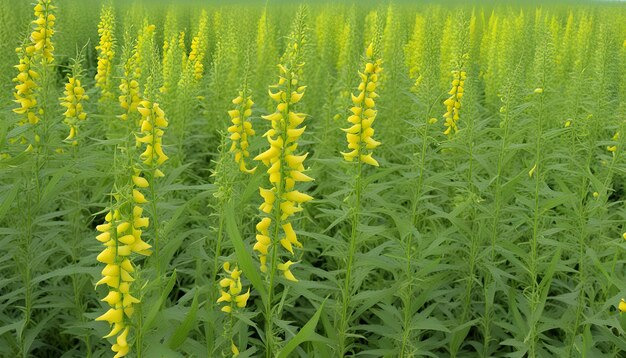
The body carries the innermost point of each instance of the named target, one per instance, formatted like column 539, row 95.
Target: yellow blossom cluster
column 168, row 52
column 241, row 129
column 141, row 48
column 130, row 96
column 183, row 48
column 43, row 31
column 152, row 123
column 453, row 103
column 359, row 135
column 74, row 95
column 106, row 52
column 231, row 288
column 37, row 52
column 286, row 168
column 25, row 90
column 198, row 48
column 121, row 236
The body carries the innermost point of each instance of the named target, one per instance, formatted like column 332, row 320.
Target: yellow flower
column 43, row 30
column 284, row 267
column 198, row 48
column 242, row 300
column 36, row 51
column 106, row 53
column 121, row 237
column 359, row 134
column 285, row 164
column 233, row 296
column 152, row 124
column 72, row 101
column 234, row 349
column 241, row 129
column 622, row 305
column 453, row 103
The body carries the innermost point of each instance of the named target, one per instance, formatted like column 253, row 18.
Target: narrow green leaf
column 155, row 309
column 181, row 332
column 305, row 334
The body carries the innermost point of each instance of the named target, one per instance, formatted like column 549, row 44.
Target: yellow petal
column 113, row 315
column 367, row 159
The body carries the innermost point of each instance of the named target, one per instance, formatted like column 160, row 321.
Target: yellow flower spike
column 285, row 165
column 36, row 52
column 622, row 306
column 359, row 135
column 241, row 129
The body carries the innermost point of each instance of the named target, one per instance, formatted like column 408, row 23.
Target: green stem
column 496, row 219
column 406, row 336
column 269, row 314
column 533, row 267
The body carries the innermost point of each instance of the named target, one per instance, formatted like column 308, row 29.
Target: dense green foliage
column 502, row 239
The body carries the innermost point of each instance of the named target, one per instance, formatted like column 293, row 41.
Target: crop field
column 312, row 179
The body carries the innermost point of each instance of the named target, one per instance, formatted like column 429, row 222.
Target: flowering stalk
column 106, row 53
column 130, row 96
column 241, row 129
column 152, row 123
column 285, row 169
column 74, row 95
column 121, row 236
column 453, row 103
column 231, row 295
column 198, row 48
column 359, row 137
column 169, row 49
column 35, row 58
column 25, row 91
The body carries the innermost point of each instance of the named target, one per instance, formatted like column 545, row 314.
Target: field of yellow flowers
column 315, row 179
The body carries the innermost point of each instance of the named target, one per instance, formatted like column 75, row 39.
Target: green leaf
column 180, row 334
column 244, row 259
column 155, row 309
column 305, row 334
